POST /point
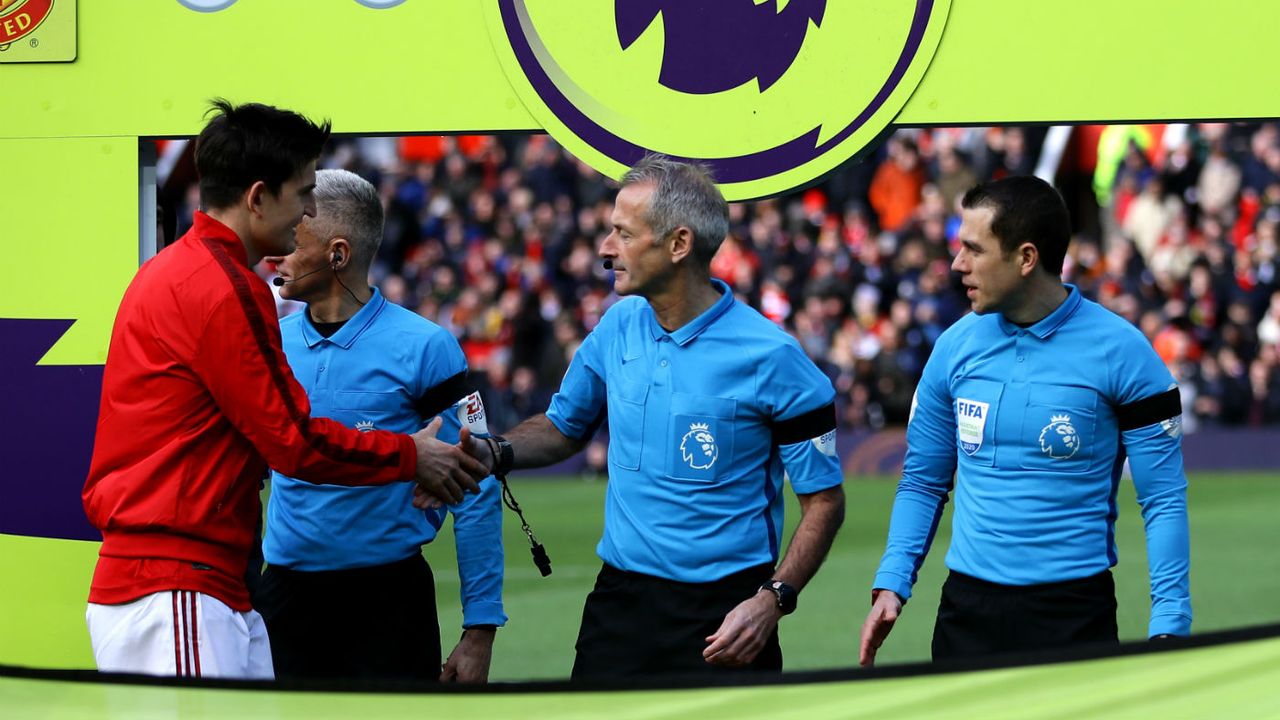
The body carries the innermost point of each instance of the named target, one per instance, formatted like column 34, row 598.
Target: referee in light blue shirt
column 347, row 592
column 1027, row 409
column 709, row 405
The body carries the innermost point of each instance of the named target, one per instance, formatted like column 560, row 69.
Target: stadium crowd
column 495, row 237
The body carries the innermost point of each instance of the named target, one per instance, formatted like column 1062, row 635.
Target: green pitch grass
column 1235, row 542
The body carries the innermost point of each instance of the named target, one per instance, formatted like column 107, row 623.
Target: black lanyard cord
column 539, row 552
column 540, row 558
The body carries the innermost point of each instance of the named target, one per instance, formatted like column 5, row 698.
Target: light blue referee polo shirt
column 369, row 375
column 1035, row 423
column 695, row 476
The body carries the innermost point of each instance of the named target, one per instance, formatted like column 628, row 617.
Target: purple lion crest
column 715, row 45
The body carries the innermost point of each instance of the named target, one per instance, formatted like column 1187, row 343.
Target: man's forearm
column 821, row 515
column 537, row 442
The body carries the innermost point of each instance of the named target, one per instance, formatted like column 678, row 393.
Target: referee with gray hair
column 710, row 406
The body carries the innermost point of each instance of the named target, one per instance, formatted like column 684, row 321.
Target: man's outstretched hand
column 444, row 472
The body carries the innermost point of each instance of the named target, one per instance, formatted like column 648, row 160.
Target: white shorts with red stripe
column 180, row 633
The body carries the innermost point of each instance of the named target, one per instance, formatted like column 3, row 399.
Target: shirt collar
column 206, row 228
column 692, row 329
column 352, row 330
column 1050, row 323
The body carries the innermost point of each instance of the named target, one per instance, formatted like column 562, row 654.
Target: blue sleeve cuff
column 1179, row 625
column 896, row 583
column 486, row 612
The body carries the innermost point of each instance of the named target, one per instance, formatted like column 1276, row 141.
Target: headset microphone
column 608, row 264
column 281, row 282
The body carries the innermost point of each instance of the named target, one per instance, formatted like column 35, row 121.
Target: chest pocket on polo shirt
column 1058, row 427
column 626, row 422
column 700, row 437
column 364, row 410
column 977, row 406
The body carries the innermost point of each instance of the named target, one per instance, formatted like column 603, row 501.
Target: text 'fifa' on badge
column 971, row 422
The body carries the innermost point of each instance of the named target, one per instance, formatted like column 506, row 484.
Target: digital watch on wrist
column 506, row 456
column 785, row 594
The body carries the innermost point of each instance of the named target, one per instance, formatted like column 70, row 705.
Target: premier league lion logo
column 1059, row 439
column 741, row 85
column 698, row 447
column 702, row 58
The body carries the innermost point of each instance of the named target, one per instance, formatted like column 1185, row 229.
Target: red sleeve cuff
column 408, row 457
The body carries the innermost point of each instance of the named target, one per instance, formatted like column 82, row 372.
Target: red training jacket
column 197, row 400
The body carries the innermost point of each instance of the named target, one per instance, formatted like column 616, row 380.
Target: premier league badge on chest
column 698, row 447
column 1059, row 439
column 971, row 421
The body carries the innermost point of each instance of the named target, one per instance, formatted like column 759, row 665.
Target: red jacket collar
column 207, row 228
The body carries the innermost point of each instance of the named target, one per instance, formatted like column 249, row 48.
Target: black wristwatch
column 785, row 594
column 506, row 456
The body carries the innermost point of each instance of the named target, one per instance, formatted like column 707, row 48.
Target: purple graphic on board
column 766, row 163
column 710, row 47
column 47, row 418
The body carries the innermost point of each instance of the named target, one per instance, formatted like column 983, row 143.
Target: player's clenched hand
column 444, row 471
column 885, row 608
column 424, row 500
column 744, row 632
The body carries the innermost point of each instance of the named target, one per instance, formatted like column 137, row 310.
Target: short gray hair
column 348, row 205
column 684, row 194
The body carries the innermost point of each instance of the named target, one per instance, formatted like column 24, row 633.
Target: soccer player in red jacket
column 197, row 401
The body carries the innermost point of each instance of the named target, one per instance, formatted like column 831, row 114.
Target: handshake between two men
column 446, row 472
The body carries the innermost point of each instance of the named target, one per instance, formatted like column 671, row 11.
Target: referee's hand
column 444, row 471
column 885, row 608
column 744, row 631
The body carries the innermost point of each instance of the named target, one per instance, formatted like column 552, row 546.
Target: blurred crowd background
column 1175, row 229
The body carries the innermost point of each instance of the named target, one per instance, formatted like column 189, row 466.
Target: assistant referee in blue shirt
column 347, row 592
column 709, row 405
column 1027, row 409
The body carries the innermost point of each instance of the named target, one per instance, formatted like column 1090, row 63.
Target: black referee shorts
column 372, row 622
column 976, row 617
column 636, row 625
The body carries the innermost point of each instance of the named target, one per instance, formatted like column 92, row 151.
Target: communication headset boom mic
column 608, row 264
column 281, row 282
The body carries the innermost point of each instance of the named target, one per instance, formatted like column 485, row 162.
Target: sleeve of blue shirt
column 477, row 522
column 795, row 386
column 576, row 407
column 927, row 477
column 477, row 532
column 1155, row 459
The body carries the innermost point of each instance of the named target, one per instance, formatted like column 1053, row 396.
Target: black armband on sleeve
column 806, row 426
column 439, row 397
column 1149, row 411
